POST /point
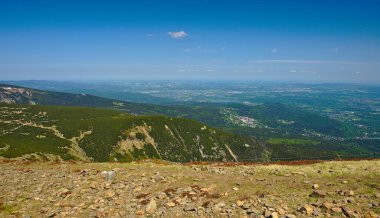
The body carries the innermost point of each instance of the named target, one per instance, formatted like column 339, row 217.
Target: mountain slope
column 92, row 134
column 289, row 132
column 273, row 115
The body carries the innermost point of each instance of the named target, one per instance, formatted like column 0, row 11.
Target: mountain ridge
column 91, row 134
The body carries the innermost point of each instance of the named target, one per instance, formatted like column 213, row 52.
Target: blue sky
column 305, row 40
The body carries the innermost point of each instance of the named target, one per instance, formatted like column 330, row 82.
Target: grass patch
column 7, row 209
column 294, row 141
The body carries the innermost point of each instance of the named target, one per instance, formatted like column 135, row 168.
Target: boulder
column 108, row 175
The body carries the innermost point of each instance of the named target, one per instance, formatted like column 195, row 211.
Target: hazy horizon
column 279, row 41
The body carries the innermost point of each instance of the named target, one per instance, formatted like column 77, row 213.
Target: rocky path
column 330, row 189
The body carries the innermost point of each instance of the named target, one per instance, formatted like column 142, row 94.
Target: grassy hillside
column 92, row 134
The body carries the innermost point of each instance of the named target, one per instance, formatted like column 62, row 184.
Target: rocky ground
column 328, row 189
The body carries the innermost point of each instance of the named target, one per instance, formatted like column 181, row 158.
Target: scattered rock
column 239, row 203
column 371, row 214
column 170, row 204
column 139, row 213
column 307, row 209
column 190, row 207
column 350, row 193
column 281, row 211
column 267, row 213
column 246, row 206
column 315, row 186
column 349, row 200
column 348, row 212
column 94, row 185
column 108, row 175
column 327, row 205
column 274, row 215
column 318, row 193
column 336, row 209
column 316, row 212
column 151, row 207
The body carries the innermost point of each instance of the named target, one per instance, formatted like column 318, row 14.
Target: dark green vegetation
column 291, row 132
column 92, row 134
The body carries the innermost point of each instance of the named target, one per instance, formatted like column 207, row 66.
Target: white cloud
column 358, row 72
column 335, row 50
column 150, row 35
column 304, row 62
column 187, row 50
column 274, row 50
column 178, row 35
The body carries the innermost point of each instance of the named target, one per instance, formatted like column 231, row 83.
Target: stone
column 327, row 205
column 307, row 209
column 267, row 213
column 51, row 214
column 351, row 193
column 235, row 188
column 349, row 200
column 108, row 175
column 219, row 206
column 94, row 185
column 190, row 207
column 170, row 204
column 290, row 216
column 348, row 212
column 345, row 182
column 274, row 215
column 336, row 209
column 246, row 206
column 239, row 203
column 318, row 193
column 151, row 207
column 315, row 186
column 252, row 210
column 316, row 212
column 371, row 214
column 139, row 213
column 298, row 173
column 281, row 211
column 110, row 194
